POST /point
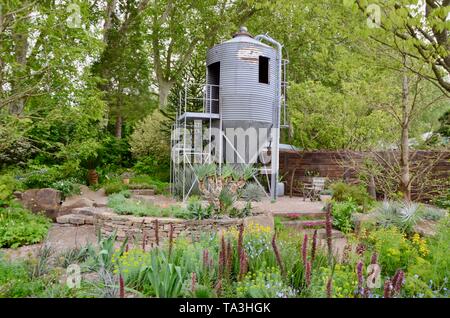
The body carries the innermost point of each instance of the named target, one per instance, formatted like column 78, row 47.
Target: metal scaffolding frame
column 180, row 148
column 185, row 119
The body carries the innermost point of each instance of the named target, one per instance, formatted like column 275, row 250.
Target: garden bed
column 156, row 229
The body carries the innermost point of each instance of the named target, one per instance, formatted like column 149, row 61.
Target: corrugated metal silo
column 246, row 70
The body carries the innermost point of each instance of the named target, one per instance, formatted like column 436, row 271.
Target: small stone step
column 321, row 233
column 83, row 211
column 304, row 224
column 300, row 215
column 143, row 192
column 75, row 219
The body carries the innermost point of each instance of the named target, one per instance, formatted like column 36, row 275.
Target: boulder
column 76, row 202
column 45, row 200
column 425, row 228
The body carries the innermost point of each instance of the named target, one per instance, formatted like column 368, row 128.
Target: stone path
column 288, row 205
column 59, row 237
column 76, row 228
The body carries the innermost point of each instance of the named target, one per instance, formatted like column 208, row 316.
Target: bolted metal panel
column 243, row 97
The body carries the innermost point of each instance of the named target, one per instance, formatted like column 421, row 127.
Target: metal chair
column 312, row 190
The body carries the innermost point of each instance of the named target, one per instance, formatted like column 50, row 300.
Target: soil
column 59, row 237
column 287, row 205
column 62, row 237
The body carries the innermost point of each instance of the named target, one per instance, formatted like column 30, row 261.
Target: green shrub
column 342, row 215
column 165, row 278
column 114, row 187
column 264, row 284
column 8, row 185
column 435, row 267
column 19, row 226
column 41, row 176
column 344, row 192
column 345, row 281
column 148, row 182
column 67, row 187
column 403, row 215
column 394, row 249
column 432, row 214
column 16, row 281
column 252, row 192
column 151, row 166
column 443, row 201
column 126, row 206
column 196, row 211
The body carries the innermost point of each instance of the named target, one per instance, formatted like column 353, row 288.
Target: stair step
column 142, row 192
column 322, row 235
column 299, row 215
column 75, row 219
column 304, row 224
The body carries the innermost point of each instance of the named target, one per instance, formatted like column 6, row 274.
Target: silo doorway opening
column 263, row 69
column 214, row 81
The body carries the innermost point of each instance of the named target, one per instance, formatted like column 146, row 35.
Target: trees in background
column 76, row 78
column 417, row 29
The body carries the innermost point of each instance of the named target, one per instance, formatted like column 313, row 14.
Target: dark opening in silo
column 263, row 69
column 213, row 89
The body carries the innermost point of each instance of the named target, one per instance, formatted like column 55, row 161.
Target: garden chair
column 312, row 190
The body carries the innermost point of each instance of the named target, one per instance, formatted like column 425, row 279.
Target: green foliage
column 16, row 282
column 443, row 201
column 153, row 167
column 149, row 182
column 336, row 119
column 344, row 281
column 196, row 211
column 150, row 144
column 19, row 226
column 266, row 284
column 41, row 176
column 67, row 187
column 125, row 206
column 403, row 215
column 114, row 186
column 207, row 170
column 434, row 268
column 165, row 278
column 343, row 192
column 8, row 185
column 394, row 250
column 431, row 213
column 342, row 215
column 252, row 192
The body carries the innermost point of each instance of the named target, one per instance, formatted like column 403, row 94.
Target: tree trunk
column 21, row 48
column 405, row 185
column 164, row 91
column 118, row 127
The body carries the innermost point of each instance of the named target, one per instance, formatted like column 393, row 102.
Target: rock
column 147, row 192
column 18, row 195
column 76, row 219
column 43, row 200
column 425, row 228
column 264, row 220
column 76, row 202
column 89, row 220
column 86, row 192
column 84, row 211
column 63, row 219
